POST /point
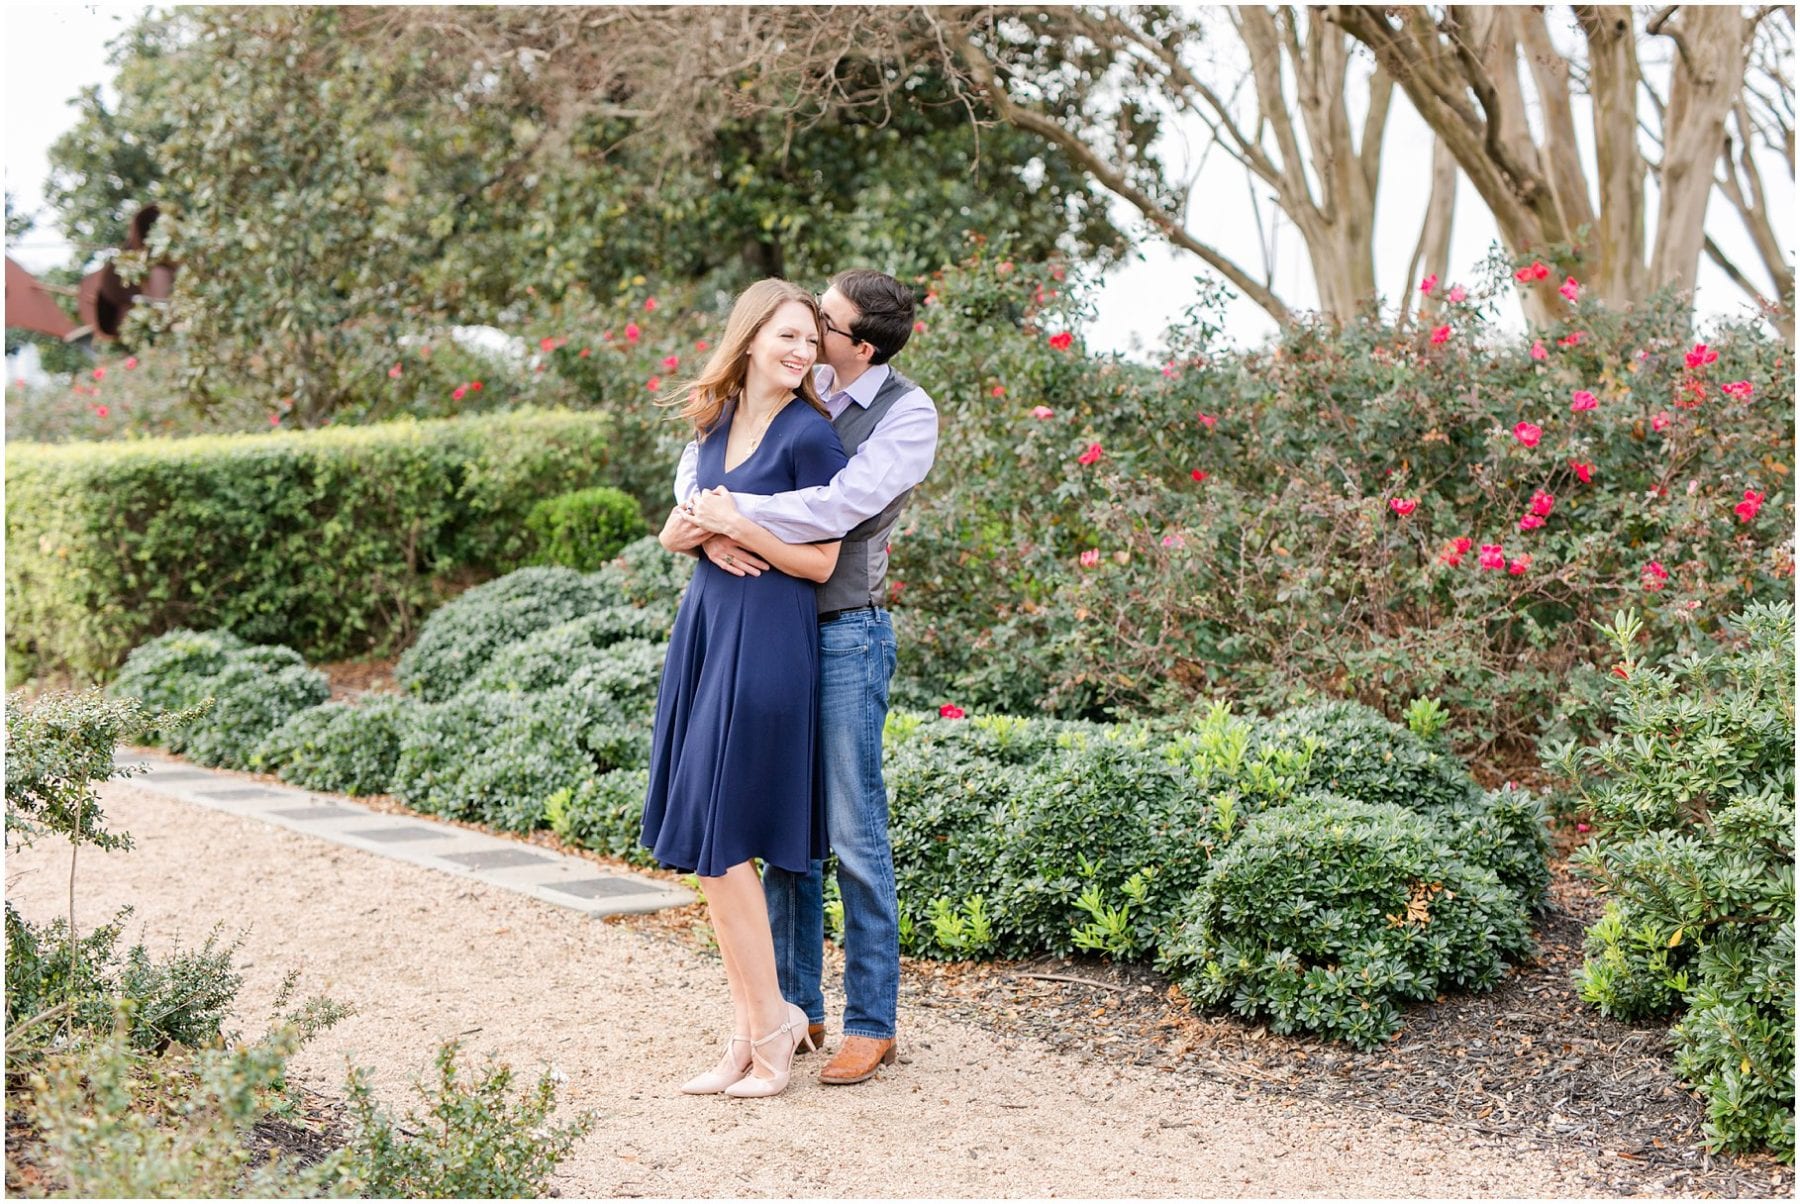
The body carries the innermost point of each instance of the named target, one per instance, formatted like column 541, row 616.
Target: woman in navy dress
column 732, row 767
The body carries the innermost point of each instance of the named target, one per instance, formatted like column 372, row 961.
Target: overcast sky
column 52, row 51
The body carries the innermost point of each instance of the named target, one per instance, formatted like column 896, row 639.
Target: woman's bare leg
column 740, row 921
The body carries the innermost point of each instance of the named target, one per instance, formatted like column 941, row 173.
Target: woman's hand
column 681, row 534
column 715, row 511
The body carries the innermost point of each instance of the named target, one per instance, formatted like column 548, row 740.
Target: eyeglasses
column 831, row 329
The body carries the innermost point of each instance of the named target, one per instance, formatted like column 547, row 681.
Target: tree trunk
column 1709, row 72
column 1433, row 247
column 1613, row 79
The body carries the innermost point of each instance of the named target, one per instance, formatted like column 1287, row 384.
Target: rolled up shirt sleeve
column 687, row 472
column 895, row 458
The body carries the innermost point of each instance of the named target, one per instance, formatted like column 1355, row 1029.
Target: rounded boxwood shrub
column 1506, row 831
column 585, row 529
column 170, row 671
column 254, row 687
column 547, row 659
column 1087, row 821
column 1364, row 756
column 1327, row 915
column 605, row 814
column 622, row 682
column 497, row 758
column 351, row 749
column 943, row 804
column 460, row 637
column 251, row 698
column 645, row 574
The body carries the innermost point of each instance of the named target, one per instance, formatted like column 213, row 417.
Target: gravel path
column 628, row 1010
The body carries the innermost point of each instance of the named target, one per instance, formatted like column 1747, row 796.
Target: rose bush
column 1299, row 520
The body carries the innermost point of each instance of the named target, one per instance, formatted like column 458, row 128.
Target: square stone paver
column 177, row 775
column 307, row 814
column 600, row 888
column 238, row 794
column 390, row 835
column 493, row 859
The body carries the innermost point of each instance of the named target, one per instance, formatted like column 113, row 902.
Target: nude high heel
column 786, row 1039
column 730, row 1069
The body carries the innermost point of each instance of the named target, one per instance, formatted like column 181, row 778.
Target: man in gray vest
column 889, row 426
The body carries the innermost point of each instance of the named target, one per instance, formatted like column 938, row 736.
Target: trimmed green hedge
column 334, row 541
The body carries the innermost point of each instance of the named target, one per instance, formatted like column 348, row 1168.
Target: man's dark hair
column 885, row 307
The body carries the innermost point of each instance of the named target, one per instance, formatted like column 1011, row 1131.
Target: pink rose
column 1492, row 556
column 1531, row 522
column 1429, row 283
column 1090, row 558
column 1404, row 506
column 1062, row 341
column 1570, row 289
column 1517, row 568
column 1583, row 470
column 1543, row 503
column 1583, row 399
column 1528, row 433
column 1042, row 412
column 1458, row 294
column 1700, row 356
column 1440, row 336
column 1661, row 421
column 1537, row 350
column 1091, row 455
column 1746, row 509
column 1738, row 388
column 632, row 333
column 950, row 711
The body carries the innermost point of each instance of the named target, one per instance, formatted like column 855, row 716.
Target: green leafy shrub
column 171, row 671
column 644, row 574
column 57, row 747
column 605, row 814
column 472, row 1141
column 1086, row 822
column 460, row 638
column 253, row 689
column 549, row 658
column 585, row 529
column 250, row 700
column 1327, row 915
column 943, row 803
column 108, row 1125
column 1365, row 757
column 182, row 999
column 495, row 758
column 1692, row 800
column 337, row 746
column 336, row 541
column 623, row 681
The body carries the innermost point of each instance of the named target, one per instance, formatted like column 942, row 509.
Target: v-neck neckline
column 726, row 449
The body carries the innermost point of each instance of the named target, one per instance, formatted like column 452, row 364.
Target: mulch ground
column 1529, row 1061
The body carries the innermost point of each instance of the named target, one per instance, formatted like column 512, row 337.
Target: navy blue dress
column 732, row 764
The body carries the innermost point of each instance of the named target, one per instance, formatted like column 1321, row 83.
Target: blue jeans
column 856, row 661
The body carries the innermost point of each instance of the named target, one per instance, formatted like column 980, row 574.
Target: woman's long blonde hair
column 703, row 399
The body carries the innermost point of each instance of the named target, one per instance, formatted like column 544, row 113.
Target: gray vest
column 861, row 576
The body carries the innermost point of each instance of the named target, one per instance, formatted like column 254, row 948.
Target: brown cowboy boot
column 857, row 1059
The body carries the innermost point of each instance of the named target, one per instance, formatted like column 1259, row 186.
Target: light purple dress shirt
column 892, row 460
